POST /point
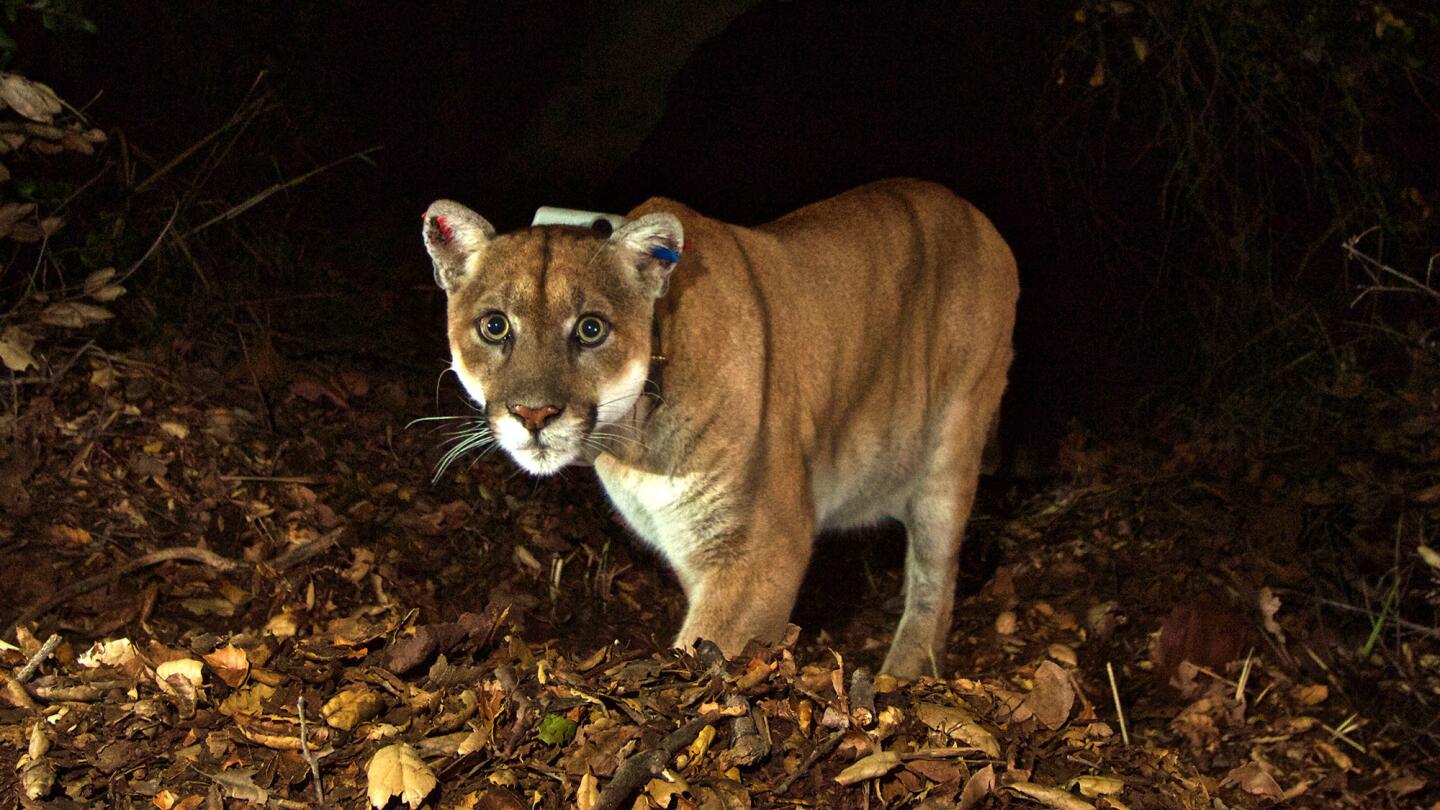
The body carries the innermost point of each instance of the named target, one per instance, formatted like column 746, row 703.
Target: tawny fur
column 835, row 367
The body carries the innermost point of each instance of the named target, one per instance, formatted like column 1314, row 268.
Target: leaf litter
column 454, row 661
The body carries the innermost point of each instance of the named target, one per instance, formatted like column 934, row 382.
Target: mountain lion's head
column 550, row 326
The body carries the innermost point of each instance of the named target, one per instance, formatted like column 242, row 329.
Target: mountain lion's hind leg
column 935, row 526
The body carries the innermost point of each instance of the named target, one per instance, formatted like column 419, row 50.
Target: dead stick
column 271, row 479
column 309, row 755
column 261, row 196
column 300, row 554
column 641, row 768
column 38, row 658
column 939, row 753
column 188, row 553
column 862, row 697
column 821, row 751
column 236, row 117
column 1119, row 709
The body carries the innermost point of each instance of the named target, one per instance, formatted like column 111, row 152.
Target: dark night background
column 746, row 110
column 1131, row 233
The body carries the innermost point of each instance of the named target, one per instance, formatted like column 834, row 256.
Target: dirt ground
column 261, row 599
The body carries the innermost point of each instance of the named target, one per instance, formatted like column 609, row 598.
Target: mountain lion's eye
column 493, row 327
column 591, row 330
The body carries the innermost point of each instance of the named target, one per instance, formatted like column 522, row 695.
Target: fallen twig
column 1432, row 632
column 309, row 755
column 300, row 554
column 272, row 479
column 820, row 752
column 641, row 768
column 188, row 553
column 261, row 196
column 1119, row 709
column 235, row 118
column 511, row 684
column 28, row 671
column 862, row 697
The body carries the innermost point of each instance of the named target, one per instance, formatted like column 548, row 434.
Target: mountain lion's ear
column 651, row 244
column 453, row 233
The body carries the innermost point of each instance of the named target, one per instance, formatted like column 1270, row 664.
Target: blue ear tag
column 665, row 254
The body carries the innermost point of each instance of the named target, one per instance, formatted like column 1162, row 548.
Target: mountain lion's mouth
column 549, row 450
column 542, row 459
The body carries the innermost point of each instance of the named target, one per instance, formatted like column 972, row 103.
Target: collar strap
column 657, row 360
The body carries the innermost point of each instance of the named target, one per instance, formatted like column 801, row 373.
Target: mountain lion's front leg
column 742, row 585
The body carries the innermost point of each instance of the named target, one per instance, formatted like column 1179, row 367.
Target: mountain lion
column 740, row 389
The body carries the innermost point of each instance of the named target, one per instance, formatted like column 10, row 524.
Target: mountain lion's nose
column 535, row 418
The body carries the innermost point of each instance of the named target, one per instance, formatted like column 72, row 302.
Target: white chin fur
column 560, row 440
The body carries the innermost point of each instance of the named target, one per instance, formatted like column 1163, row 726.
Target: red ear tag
column 446, row 232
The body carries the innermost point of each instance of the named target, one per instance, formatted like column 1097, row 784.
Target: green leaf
column 557, row 730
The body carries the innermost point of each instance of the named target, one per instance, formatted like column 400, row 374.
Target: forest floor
column 261, row 599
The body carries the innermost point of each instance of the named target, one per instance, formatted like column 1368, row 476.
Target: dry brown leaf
column 99, row 278
column 1006, row 623
column 188, row 668
column 588, row 793
column 1404, row 785
column 1269, row 606
column 351, row 707
column 1253, row 779
column 1051, row 797
column 980, row 785
column 31, row 99
column 1094, row 786
column 701, row 743
column 36, row 774
column 1202, row 631
column 1052, row 698
column 1141, row 47
column 662, row 792
column 1430, row 494
column 15, row 355
column 118, row 653
column 1097, row 77
column 1429, row 555
column 282, row 625
column 246, row 702
column 871, row 767
column 11, row 214
column 396, row 770
column 38, row 778
column 76, row 142
column 958, row 724
column 1065, row 654
column 1313, row 694
column 74, row 314
column 239, row 783
column 230, row 663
